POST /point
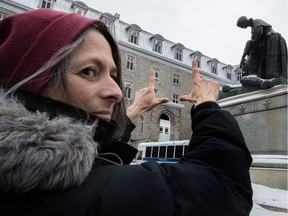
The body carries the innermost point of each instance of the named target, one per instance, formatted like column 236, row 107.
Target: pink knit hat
column 28, row 40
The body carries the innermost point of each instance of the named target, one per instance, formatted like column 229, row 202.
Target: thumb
column 162, row 100
column 184, row 98
column 187, row 98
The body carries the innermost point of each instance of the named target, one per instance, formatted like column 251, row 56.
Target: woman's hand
column 202, row 89
column 145, row 99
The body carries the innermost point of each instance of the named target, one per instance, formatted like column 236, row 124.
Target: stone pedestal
column 262, row 116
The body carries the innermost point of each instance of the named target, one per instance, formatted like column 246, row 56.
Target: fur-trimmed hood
column 42, row 153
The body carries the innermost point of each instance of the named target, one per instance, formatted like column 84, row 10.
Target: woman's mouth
column 103, row 115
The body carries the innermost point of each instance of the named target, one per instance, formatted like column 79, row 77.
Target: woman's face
column 91, row 78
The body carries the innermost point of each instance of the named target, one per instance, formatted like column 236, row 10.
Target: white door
column 164, row 128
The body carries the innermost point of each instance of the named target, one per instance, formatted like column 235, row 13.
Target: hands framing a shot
column 145, row 99
column 202, row 90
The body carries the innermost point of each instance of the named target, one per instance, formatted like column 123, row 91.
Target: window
column 229, row 75
column 214, row 68
column 130, row 62
column 197, row 56
column 178, row 151
column 176, row 79
column 175, row 98
column 2, row 16
column 155, row 91
column 162, row 152
column 127, row 90
column 178, row 54
column 109, row 20
column 157, row 47
column 157, row 43
column 214, row 65
column 166, row 130
column 108, row 23
column 134, row 37
column 178, row 51
column 155, row 150
column 79, row 11
column 79, row 7
column 170, row 151
column 141, row 124
column 186, row 149
column 198, row 62
column 134, row 31
column 239, row 75
column 156, row 71
column 46, row 4
column 148, row 152
column 228, row 69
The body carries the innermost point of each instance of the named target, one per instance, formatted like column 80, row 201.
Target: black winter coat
column 211, row 179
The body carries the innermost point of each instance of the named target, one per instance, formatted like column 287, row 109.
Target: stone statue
column 266, row 51
column 264, row 60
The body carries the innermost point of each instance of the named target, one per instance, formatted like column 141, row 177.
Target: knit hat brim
column 28, row 40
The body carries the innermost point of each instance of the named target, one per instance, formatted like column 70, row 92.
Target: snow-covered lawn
column 265, row 198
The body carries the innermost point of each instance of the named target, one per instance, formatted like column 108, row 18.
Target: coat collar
column 45, row 144
column 103, row 134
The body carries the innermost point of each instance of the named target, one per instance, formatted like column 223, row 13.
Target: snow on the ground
column 269, row 197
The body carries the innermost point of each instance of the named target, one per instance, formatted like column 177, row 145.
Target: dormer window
column 214, row 65
column 214, row 68
column 157, row 43
column 3, row 15
column 79, row 7
column 178, row 51
column 178, row 54
column 228, row 69
column 134, row 31
column 197, row 56
column 239, row 73
column 134, row 36
column 108, row 19
column 157, row 47
column 46, row 3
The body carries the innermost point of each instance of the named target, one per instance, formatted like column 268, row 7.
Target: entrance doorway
column 164, row 128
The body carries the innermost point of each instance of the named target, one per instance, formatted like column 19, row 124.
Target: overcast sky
column 208, row 26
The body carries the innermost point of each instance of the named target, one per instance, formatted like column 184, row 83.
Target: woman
column 267, row 50
column 57, row 152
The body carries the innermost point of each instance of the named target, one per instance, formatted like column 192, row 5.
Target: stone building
column 141, row 51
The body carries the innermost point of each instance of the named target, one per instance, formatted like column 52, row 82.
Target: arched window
column 164, row 117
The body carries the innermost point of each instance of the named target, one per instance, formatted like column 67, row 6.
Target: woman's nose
column 111, row 90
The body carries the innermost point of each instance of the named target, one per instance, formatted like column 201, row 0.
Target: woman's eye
column 90, row 72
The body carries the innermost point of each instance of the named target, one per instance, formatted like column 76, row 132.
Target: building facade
column 141, row 51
